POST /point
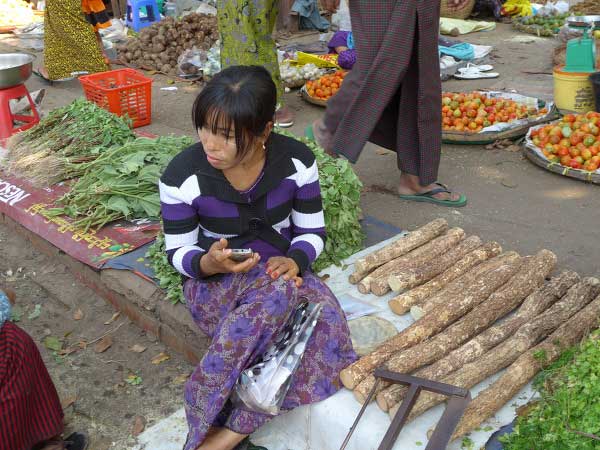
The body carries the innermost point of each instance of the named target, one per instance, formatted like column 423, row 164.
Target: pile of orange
column 326, row 87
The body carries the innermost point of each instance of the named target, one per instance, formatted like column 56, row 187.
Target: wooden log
column 508, row 351
column 358, row 275
column 522, row 371
column 431, row 304
column 376, row 281
column 535, row 304
column 431, row 324
column 402, row 303
column 414, row 277
column 530, row 276
column 402, row 246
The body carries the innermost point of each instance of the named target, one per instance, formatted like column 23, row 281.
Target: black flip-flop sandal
column 429, row 197
column 247, row 445
column 76, row 441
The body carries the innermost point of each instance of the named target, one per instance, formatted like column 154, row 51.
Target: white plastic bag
column 263, row 386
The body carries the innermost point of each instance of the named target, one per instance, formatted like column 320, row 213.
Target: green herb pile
column 59, row 147
column 121, row 183
column 168, row 278
column 340, row 189
column 567, row 416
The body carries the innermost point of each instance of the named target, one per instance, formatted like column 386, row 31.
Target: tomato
column 574, row 151
column 563, row 151
column 592, row 167
column 574, row 164
column 595, row 150
column 554, row 139
column 575, row 139
column 565, row 160
column 556, row 131
column 479, row 120
column 586, row 154
column 589, row 140
column 472, row 125
column 595, row 159
column 565, row 143
column 457, row 113
column 569, row 118
column 492, row 118
column 579, row 159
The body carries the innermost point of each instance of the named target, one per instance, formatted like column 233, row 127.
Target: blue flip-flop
column 428, row 197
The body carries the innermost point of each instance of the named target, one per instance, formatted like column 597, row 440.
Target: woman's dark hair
column 242, row 96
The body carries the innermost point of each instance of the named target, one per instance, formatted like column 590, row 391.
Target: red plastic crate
column 122, row 92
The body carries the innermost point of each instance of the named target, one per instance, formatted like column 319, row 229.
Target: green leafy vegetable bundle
column 168, row 278
column 122, row 183
column 567, row 416
column 59, row 147
column 340, row 189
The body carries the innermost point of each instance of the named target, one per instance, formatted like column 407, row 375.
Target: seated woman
column 30, row 412
column 245, row 186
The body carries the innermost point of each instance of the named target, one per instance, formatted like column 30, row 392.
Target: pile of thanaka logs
column 458, row 288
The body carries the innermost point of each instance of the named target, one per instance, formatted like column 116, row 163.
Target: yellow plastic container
column 573, row 91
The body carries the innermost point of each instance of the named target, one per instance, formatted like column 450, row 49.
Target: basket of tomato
column 483, row 117
column 570, row 146
column 323, row 88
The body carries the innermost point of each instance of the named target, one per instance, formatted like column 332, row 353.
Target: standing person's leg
column 69, row 42
column 245, row 30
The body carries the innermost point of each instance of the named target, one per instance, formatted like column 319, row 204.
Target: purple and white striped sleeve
column 307, row 217
column 181, row 228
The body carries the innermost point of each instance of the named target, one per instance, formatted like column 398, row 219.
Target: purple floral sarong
column 242, row 313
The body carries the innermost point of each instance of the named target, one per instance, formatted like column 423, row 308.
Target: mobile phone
column 241, row 254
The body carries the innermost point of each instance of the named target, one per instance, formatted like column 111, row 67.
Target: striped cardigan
column 281, row 215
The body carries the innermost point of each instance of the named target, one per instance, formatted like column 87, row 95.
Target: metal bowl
column 15, row 69
column 583, row 21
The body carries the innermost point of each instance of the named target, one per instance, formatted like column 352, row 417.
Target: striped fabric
column 30, row 410
column 392, row 95
column 282, row 215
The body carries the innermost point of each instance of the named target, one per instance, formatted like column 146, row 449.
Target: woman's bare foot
column 410, row 185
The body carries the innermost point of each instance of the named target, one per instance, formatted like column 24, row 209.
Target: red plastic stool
column 8, row 119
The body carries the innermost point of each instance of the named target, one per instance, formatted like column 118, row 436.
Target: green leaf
column 16, row 314
column 53, row 343
column 119, row 204
column 37, row 310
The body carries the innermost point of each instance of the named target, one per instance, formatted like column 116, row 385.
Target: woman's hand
column 281, row 266
column 216, row 260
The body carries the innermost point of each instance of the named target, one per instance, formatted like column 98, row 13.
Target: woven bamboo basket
column 460, row 11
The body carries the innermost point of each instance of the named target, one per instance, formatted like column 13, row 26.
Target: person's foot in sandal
column 247, row 445
column 410, row 189
column 75, row 441
column 284, row 117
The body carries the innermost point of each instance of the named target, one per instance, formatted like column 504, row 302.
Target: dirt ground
column 99, row 390
column 510, row 200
